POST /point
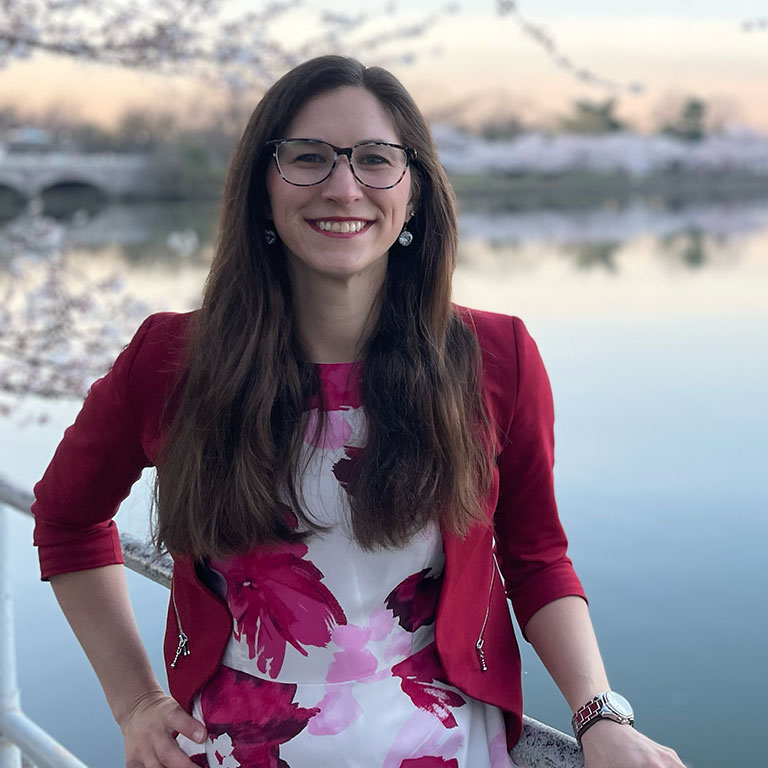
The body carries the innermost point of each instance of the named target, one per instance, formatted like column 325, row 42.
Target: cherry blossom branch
column 203, row 38
column 547, row 43
column 59, row 327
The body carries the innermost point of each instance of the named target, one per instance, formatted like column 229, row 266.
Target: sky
column 477, row 64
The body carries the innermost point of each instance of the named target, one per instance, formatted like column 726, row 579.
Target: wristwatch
column 608, row 705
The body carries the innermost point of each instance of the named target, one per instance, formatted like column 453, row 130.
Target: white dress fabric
column 332, row 659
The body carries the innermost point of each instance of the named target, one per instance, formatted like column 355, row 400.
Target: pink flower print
column 414, row 600
column 344, row 469
column 423, row 735
column 418, row 673
column 336, row 433
column 429, row 762
column 380, row 623
column 338, row 710
column 271, row 718
column 498, row 752
column 276, row 597
column 353, row 661
column 398, row 647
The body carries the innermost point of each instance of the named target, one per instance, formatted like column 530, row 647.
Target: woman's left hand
column 611, row 745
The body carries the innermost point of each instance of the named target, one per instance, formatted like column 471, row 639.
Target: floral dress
column 332, row 658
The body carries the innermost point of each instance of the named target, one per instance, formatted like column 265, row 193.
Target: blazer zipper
column 183, row 647
column 481, row 640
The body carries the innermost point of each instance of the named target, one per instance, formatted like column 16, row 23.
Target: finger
column 180, row 722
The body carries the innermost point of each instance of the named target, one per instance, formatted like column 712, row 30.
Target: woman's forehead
column 343, row 117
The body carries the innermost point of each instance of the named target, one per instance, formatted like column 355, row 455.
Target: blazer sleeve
column 98, row 460
column 530, row 540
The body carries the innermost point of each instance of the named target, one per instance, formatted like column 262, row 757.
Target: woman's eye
column 372, row 159
column 309, row 158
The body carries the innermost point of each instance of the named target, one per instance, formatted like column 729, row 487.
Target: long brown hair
column 232, row 452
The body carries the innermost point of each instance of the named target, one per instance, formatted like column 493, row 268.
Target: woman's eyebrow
column 386, row 141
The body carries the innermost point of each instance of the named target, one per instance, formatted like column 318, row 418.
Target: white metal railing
column 540, row 746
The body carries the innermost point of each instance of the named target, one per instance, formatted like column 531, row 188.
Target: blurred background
column 611, row 170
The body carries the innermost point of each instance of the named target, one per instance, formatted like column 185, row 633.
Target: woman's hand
column 148, row 730
column 607, row 744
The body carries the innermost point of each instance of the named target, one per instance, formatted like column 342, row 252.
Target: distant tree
column 592, row 117
column 504, row 127
column 10, row 116
column 142, row 130
column 755, row 25
column 68, row 131
column 690, row 123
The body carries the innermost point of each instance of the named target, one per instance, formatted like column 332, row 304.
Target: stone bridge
column 116, row 175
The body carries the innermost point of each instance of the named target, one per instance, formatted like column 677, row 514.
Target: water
column 653, row 326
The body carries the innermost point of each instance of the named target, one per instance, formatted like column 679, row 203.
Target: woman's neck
column 335, row 317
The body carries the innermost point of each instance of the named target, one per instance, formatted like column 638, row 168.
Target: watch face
column 618, row 704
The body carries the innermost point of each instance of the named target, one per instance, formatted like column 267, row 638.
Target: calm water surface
column 653, row 326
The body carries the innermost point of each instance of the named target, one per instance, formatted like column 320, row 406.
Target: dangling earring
column 406, row 238
column 270, row 236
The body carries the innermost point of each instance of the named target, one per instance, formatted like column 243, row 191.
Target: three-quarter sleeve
column 531, row 544
column 98, row 460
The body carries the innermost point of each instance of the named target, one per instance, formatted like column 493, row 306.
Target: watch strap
column 594, row 710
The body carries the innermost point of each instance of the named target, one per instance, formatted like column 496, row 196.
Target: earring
column 406, row 238
column 270, row 236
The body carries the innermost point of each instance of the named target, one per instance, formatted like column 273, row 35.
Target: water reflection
column 594, row 255
column 182, row 232
column 689, row 247
column 616, row 226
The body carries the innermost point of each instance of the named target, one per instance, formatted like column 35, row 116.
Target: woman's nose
column 342, row 184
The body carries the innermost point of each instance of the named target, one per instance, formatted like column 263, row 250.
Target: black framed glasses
column 375, row 164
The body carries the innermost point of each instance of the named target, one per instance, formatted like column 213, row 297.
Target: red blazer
column 119, row 432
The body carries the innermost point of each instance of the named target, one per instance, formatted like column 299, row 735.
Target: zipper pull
column 182, row 650
column 480, row 653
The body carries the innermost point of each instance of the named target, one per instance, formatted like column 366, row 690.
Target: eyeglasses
column 375, row 164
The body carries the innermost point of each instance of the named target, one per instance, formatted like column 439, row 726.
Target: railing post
column 10, row 755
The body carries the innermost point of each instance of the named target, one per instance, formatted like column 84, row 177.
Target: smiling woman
column 354, row 475
column 317, row 199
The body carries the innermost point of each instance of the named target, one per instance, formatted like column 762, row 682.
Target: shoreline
column 499, row 192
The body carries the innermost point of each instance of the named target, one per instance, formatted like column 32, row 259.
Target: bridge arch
column 10, row 183
column 74, row 185
column 67, row 179
column 12, row 201
column 68, row 195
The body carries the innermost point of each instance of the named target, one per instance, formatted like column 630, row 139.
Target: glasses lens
column 304, row 162
column 379, row 165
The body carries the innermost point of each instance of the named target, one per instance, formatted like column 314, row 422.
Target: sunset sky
column 486, row 64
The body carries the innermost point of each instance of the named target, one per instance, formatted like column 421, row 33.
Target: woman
column 340, row 450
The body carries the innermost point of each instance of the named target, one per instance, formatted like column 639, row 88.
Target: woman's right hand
column 149, row 729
